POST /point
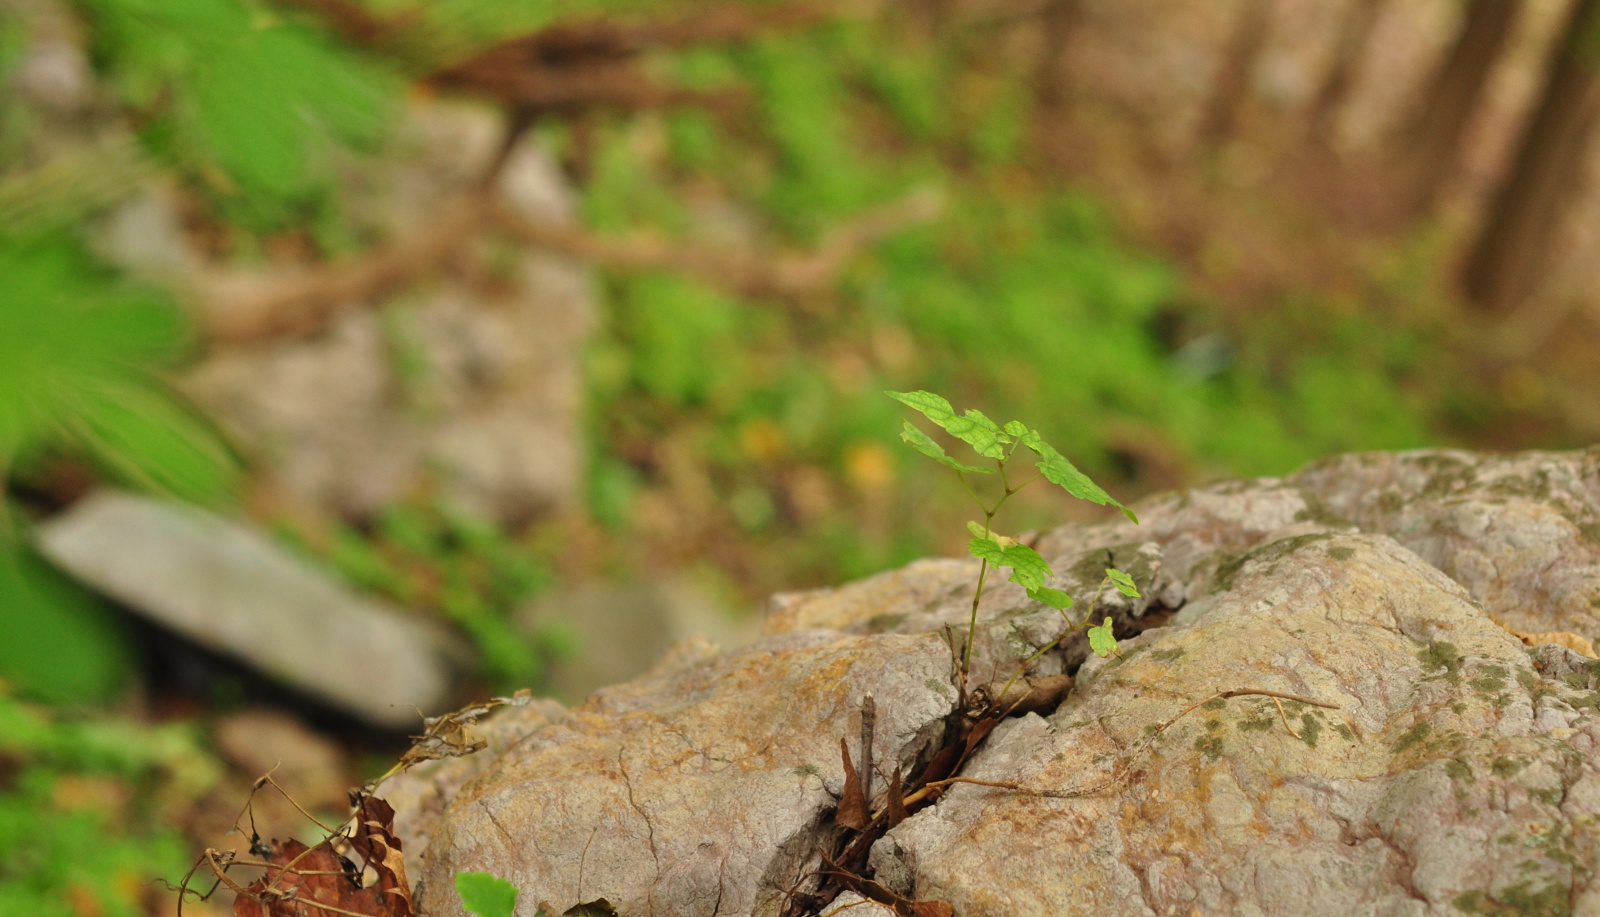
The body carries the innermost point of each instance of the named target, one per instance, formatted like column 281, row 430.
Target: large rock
column 233, row 590
column 1456, row 773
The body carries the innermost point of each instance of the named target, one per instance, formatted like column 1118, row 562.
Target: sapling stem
column 1088, row 616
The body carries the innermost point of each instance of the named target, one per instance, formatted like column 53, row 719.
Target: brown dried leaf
column 445, row 736
column 895, row 806
column 375, row 840
column 316, row 882
column 304, row 882
column 853, row 809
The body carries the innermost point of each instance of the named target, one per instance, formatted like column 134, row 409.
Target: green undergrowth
column 84, row 804
column 471, row 571
column 1024, row 293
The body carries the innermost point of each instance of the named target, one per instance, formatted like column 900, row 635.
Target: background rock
column 233, row 590
column 470, row 383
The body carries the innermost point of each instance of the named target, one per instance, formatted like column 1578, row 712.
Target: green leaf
column 931, row 406
column 78, row 349
column 1016, row 429
column 1055, row 598
column 980, row 433
column 1101, row 640
column 978, row 531
column 485, row 895
column 972, row 428
column 987, row 549
column 1059, row 471
column 1027, row 567
column 920, row 442
column 1123, row 582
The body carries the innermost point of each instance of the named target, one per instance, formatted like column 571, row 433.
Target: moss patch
column 1412, row 736
column 1439, row 654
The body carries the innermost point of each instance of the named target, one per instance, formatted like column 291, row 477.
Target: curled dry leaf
column 303, row 881
column 445, row 735
column 853, row 810
column 895, row 806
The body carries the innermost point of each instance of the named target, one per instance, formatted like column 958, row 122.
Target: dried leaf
column 316, row 882
column 853, row 810
column 895, row 806
column 375, row 840
column 445, row 736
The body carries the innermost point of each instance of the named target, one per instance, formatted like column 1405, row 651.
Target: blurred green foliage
column 469, row 569
column 82, row 811
column 79, row 350
column 1023, row 293
column 247, row 103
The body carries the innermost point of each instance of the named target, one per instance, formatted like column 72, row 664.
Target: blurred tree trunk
column 1057, row 21
column 1430, row 142
column 1513, row 248
column 1360, row 19
column 1231, row 87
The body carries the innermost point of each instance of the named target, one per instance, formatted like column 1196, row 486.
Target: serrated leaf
column 1016, row 428
column 980, row 433
column 1101, row 640
column 1055, row 598
column 1123, row 582
column 486, row 895
column 1061, row 472
column 921, row 442
column 931, row 406
column 978, row 531
column 972, row 428
column 1027, row 567
column 987, row 549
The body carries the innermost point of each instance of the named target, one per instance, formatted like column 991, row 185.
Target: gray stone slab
column 233, row 590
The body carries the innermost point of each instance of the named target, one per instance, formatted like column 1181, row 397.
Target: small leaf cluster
column 999, row 444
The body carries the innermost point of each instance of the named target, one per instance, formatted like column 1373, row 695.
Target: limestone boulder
column 1452, row 771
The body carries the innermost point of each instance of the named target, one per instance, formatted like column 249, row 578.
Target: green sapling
column 999, row 444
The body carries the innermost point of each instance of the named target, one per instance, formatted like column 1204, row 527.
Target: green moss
column 1344, row 732
column 1340, row 552
column 1261, row 724
column 1487, row 683
column 1589, row 533
column 1519, row 900
column 1506, row 767
column 1412, row 736
column 1210, row 746
column 1459, row 769
column 1310, row 729
column 1227, row 573
column 1171, row 655
column 1316, row 511
column 1213, row 725
column 1439, row 654
column 1216, row 703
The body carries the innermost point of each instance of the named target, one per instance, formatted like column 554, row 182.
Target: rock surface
column 1457, row 773
column 232, row 590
